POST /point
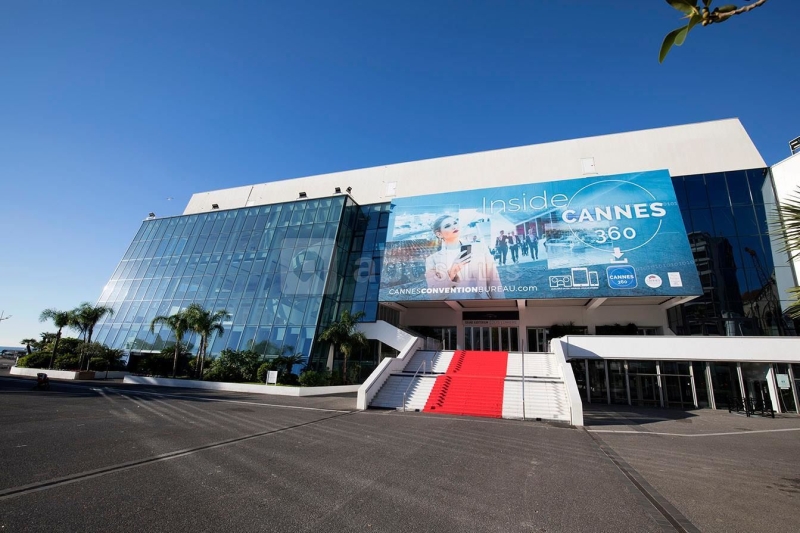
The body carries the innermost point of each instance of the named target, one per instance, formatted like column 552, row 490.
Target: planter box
column 54, row 374
column 241, row 387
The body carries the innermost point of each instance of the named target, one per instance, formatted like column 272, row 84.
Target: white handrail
column 422, row 366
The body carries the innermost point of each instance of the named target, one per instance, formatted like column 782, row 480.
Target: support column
column 588, row 385
column 627, row 382
column 772, row 385
column 658, row 380
column 742, row 390
column 793, row 388
column 712, row 402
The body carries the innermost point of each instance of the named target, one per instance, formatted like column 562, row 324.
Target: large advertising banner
column 604, row 236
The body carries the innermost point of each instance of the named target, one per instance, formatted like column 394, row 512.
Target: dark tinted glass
column 702, row 221
column 696, row 195
column 717, row 190
column 680, row 192
column 723, row 221
column 746, row 223
column 756, row 178
column 738, row 187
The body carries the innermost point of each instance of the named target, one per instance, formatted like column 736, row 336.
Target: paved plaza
column 109, row 457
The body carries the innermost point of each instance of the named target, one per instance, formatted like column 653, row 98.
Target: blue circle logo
column 621, row 277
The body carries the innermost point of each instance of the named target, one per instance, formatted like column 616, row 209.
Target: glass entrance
column 643, row 383
column 677, row 384
column 491, row 338
column 755, row 384
column 537, row 340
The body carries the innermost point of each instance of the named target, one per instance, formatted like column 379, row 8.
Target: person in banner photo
column 465, row 269
column 501, row 247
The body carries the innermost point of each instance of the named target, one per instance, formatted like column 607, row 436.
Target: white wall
column 688, row 149
column 754, row 349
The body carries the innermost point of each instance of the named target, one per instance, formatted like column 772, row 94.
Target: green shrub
column 288, row 379
column 101, row 357
column 67, row 361
column 617, row 329
column 235, row 366
column 312, row 378
column 560, row 330
column 159, row 364
column 35, row 360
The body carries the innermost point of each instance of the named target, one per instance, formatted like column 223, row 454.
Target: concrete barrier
column 54, row 374
column 273, row 390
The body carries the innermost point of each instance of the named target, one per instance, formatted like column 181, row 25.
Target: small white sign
column 272, row 377
column 675, row 279
column 653, row 280
column 783, row 381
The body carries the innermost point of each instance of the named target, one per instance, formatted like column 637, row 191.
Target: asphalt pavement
column 113, row 457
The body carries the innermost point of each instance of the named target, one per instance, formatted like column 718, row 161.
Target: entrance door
column 644, row 390
column 537, row 340
column 491, row 339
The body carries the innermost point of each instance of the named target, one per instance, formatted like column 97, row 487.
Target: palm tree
column 28, row 343
column 343, row 336
column 85, row 317
column 788, row 229
column 179, row 325
column 61, row 319
column 205, row 323
column 89, row 315
column 287, row 362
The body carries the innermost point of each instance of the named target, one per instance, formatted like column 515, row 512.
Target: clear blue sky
column 107, row 109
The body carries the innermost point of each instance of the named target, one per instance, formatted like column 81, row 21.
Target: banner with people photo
column 604, row 236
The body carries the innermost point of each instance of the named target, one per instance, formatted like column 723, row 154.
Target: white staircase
column 416, row 389
column 544, row 400
column 435, row 362
column 545, row 391
column 415, row 381
column 539, row 365
column 544, row 386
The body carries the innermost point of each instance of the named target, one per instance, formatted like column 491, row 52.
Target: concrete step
column 435, row 362
column 416, row 391
column 545, row 400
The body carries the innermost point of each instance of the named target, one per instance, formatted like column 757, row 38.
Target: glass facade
column 726, row 218
column 269, row 266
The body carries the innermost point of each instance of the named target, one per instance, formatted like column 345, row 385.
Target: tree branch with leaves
column 705, row 16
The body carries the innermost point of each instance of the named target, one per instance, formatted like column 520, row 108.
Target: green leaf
column 687, row 7
column 672, row 38
column 681, row 37
column 706, row 3
column 726, row 9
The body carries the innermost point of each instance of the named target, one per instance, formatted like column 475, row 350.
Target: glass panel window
column 746, row 222
column 739, row 188
column 597, row 381
column 723, row 221
column 619, row 392
column 717, row 191
column 702, row 221
column 696, row 191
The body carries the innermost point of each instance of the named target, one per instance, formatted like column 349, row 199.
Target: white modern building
column 608, row 269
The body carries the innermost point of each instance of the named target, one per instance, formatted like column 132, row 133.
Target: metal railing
column 421, row 366
column 750, row 406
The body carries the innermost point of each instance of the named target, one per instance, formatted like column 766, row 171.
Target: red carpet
column 473, row 385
